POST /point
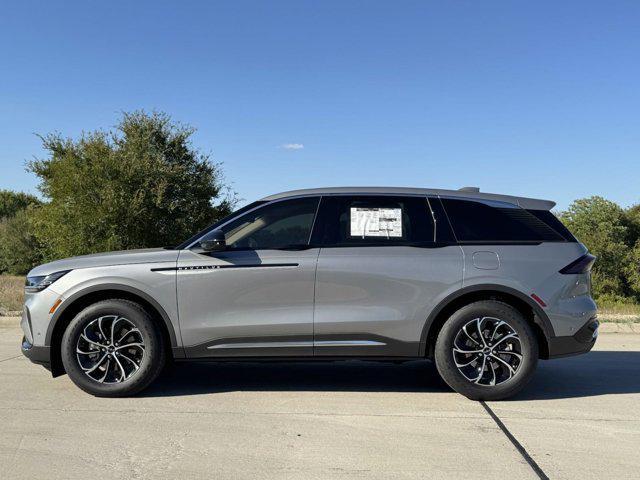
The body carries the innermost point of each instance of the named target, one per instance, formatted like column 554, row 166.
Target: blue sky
column 530, row 98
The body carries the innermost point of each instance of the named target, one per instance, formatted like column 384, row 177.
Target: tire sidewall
column 444, row 350
column 151, row 362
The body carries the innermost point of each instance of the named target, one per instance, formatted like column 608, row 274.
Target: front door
column 256, row 297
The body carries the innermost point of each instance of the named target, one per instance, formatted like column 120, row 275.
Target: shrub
column 140, row 185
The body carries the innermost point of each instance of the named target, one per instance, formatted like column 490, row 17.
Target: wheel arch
column 79, row 300
column 525, row 305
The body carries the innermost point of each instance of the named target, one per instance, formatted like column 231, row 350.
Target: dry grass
column 11, row 293
column 608, row 316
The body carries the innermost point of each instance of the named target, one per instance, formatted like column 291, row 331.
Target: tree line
column 143, row 184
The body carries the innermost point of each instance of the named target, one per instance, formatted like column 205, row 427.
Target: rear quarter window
column 483, row 221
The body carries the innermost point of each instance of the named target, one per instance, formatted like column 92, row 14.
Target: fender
column 109, row 286
column 545, row 323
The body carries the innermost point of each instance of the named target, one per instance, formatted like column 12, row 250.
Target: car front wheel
column 112, row 348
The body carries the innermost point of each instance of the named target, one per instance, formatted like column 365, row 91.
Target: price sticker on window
column 376, row 222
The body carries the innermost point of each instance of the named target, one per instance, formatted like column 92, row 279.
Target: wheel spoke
column 506, row 352
column 129, row 345
column 509, row 367
column 493, row 371
column 129, row 332
column 87, row 353
column 464, row 329
column 473, row 359
column 113, row 326
column 458, row 350
column 104, row 337
column 135, row 365
column 479, row 327
column 484, row 362
column 96, row 365
column 86, row 339
column 495, row 329
column 506, row 337
column 106, row 371
column 124, row 374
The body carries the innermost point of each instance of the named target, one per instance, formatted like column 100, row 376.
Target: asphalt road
column 579, row 418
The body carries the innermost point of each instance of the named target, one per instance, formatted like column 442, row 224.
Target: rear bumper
column 581, row 342
column 37, row 354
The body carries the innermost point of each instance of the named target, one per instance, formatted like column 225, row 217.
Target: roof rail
column 469, row 189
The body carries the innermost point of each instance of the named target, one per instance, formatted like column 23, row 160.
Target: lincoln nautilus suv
column 484, row 285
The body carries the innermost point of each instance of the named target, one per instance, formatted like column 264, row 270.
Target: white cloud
column 292, row 146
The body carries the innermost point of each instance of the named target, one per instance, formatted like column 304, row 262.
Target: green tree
column 19, row 249
column 604, row 228
column 12, row 202
column 633, row 222
column 632, row 268
column 141, row 184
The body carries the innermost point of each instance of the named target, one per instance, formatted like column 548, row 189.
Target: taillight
column 581, row 265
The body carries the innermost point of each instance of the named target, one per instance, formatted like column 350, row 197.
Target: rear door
column 381, row 268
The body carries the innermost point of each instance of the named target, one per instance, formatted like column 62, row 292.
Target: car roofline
column 524, row 202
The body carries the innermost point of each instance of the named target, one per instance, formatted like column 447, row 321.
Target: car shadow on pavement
column 592, row 374
column 596, row 373
column 192, row 378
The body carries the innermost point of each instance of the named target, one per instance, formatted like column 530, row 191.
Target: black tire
column 444, row 356
column 151, row 361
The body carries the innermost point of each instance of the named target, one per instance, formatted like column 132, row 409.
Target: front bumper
column 581, row 342
column 37, row 354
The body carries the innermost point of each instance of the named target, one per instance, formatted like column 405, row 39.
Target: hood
column 146, row 255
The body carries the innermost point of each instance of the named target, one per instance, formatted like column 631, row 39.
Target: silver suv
column 483, row 284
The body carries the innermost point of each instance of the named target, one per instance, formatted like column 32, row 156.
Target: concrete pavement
column 579, row 418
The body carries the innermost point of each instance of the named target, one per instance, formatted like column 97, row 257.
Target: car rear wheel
column 486, row 351
column 112, row 349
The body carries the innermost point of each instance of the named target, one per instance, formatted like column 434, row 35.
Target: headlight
column 36, row 284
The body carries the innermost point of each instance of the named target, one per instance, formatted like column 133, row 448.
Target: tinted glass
column 550, row 219
column 278, row 225
column 215, row 225
column 488, row 221
column 373, row 220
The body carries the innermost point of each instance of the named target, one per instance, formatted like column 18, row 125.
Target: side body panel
column 534, row 269
column 375, row 300
column 247, row 303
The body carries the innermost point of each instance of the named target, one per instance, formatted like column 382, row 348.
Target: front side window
column 372, row 221
column 281, row 224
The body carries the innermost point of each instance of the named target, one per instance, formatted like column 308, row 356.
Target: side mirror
column 214, row 241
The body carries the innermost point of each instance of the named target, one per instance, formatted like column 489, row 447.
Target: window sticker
column 376, row 222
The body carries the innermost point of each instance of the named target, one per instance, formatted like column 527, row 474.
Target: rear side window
column 550, row 219
column 373, row 221
column 491, row 221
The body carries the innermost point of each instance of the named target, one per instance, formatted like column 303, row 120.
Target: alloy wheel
column 110, row 349
column 487, row 351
